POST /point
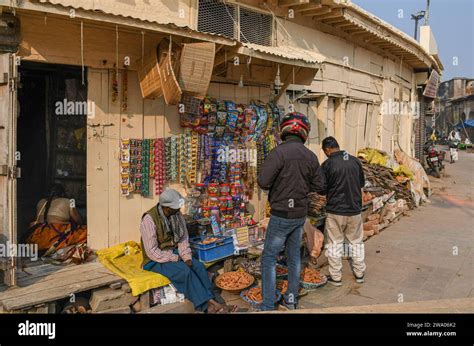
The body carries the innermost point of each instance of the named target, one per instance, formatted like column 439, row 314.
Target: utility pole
column 427, row 15
column 416, row 17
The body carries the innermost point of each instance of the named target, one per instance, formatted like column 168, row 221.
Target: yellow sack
column 125, row 260
column 404, row 170
column 373, row 156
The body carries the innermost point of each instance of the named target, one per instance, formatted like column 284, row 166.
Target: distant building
column 456, row 103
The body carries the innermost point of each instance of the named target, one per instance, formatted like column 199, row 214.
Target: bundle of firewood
column 316, row 204
column 383, row 181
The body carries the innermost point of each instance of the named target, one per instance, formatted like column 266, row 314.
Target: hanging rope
column 169, row 46
column 293, row 82
column 143, row 46
column 116, row 52
column 82, row 54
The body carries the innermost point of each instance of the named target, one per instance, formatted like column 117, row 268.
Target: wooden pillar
column 340, row 121
column 321, row 114
column 314, row 139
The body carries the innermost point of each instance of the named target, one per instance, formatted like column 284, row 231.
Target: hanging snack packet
column 220, row 131
column 230, row 105
column 261, row 123
column 221, row 118
column 240, row 117
column 206, row 107
column 250, row 122
column 212, row 118
column 232, row 117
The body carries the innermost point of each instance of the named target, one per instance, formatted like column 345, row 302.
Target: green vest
column 165, row 241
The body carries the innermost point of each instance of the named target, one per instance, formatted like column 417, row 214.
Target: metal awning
column 283, row 54
column 347, row 20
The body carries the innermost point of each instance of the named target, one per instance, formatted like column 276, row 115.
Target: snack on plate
column 311, row 275
column 209, row 240
column 234, row 280
column 282, row 286
column 254, row 294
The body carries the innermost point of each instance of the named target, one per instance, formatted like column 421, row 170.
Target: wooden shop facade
column 326, row 58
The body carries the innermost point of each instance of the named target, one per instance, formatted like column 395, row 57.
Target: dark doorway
column 51, row 144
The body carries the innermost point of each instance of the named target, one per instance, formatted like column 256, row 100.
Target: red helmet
column 295, row 124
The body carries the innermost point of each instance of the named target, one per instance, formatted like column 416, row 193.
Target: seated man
column 165, row 244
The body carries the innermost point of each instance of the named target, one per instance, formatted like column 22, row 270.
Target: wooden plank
column 99, row 42
column 288, row 3
column 113, row 157
column 226, row 92
column 131, row 127
column 306, row 7
column 338, row 20
column 320, row 12
column 172, row 125
column 253, row 93
column 59, row 276
column 97, row 163
column 213, row 90
column 38, row 288
column 54, row 293
column 36, row 271
column 264, row 94
column 79, row 272
column 241, row 95
column 4, row 127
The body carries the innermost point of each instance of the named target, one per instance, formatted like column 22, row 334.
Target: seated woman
column 58, row 223
column 165, row 248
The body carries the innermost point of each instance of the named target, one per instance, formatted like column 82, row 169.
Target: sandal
column 302, row 292
column 234, row 308
column 216, row 310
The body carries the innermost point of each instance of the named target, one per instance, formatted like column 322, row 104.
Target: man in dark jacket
column 289, row 173
column 345, row 179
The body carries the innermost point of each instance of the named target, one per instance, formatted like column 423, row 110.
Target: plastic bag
column 314, row 239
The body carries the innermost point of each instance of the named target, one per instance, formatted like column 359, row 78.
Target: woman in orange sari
column 58, row 223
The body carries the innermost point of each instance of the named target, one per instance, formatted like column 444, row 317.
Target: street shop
column 116, row 114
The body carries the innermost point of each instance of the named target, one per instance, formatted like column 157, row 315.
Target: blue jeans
column 279, row 232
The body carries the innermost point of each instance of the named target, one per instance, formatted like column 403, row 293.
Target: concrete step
column 109, row 298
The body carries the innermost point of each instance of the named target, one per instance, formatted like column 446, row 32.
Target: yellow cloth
column 404, row 170
column 125, row 260
column 373, row 156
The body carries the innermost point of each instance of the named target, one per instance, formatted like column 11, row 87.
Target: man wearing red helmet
column 289, row 173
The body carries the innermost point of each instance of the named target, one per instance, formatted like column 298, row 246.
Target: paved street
column 425, row 256
column 413, row 260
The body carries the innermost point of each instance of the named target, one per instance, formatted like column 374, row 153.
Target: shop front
column 84, row 119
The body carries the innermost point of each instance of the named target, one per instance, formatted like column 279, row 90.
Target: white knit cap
column 172, row 199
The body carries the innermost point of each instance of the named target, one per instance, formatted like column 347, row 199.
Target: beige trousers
column 339, row 228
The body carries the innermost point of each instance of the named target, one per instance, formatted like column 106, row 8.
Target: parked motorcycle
column 434, row 158
column 443, row 140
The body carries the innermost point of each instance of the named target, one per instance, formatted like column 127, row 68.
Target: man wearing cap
column 165, row 244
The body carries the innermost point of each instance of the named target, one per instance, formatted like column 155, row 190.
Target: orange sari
column 54, row 236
